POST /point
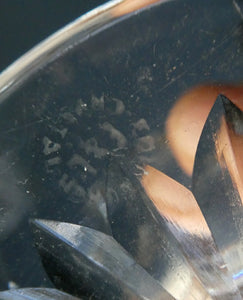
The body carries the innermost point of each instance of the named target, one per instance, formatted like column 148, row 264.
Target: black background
column 25, row 23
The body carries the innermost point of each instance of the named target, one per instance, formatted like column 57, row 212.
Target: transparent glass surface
column 89, row 135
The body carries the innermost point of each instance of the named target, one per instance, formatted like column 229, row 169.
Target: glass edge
column 28, row 63
column 32, row 59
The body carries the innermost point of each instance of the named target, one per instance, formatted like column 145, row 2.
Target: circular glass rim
column 59, row 42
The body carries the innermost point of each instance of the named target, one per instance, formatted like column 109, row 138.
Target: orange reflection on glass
column 188, row 116
column 229, row 150
column 129, row 6
column 174, row 202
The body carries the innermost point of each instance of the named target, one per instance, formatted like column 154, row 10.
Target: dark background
column 25, row 23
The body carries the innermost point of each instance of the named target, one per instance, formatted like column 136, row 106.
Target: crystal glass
column 112, row 124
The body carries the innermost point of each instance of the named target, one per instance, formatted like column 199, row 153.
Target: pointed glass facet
column 180, row 212
column 139, row 228
column 217, row 182
column 83, row 261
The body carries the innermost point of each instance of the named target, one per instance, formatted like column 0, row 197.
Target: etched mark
column 54, row 161
column 97, row 103
column 67, row 116
column 145, row 144
column 91, row 146
column 78, row 160
column 49, row 146
column 71, row 187
column 140, row 125
column 120, row 107
column 115, row 134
